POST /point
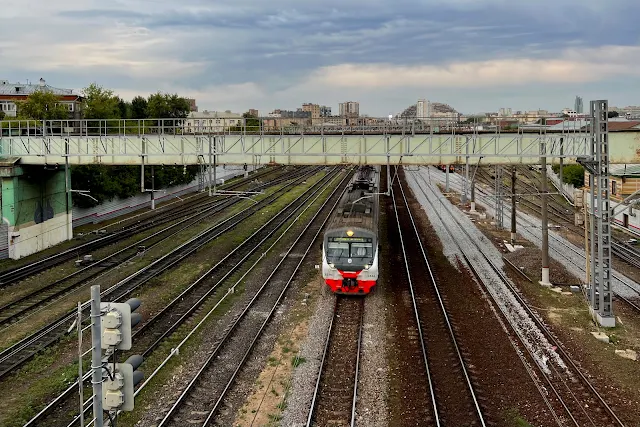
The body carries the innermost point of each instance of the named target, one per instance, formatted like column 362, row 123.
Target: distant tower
column 578, row 107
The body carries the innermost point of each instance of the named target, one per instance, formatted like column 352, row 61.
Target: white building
column 211, row 121
column 423, row 108
column 505, row 112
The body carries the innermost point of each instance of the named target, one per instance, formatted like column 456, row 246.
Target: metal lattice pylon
column 600, row 227
column 499, row 199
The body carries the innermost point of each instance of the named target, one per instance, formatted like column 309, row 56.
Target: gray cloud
column 198, row 45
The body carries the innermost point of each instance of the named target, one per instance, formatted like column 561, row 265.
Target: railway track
column 16, row 355
column 454, row 400
column 212, row 284
column 17, row 274
column 200, row 402
column 622, row 280
column 558, row 211
column 336, row 391
column 581, row 403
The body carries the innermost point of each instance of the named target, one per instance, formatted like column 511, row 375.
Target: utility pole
column 513, row 205
column 446, row 186
column 587, row 253
column 545, row 220
column 210, row 166
column 561, row 164
column 153, row 195
column 96, row 355
column 215, row 158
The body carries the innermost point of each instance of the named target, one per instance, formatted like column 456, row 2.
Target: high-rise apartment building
column 423, row 109
column 578, row 107
column 349, row 109
column 325, row 111
column 314, row 109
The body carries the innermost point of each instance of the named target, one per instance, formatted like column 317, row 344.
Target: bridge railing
column 287, row 126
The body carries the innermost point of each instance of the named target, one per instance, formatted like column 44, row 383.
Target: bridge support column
column 35, row 209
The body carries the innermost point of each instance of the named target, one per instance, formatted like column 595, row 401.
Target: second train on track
column 350, row 244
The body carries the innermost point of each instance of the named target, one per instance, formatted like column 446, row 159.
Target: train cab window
column 361, row 250
column 337, row 250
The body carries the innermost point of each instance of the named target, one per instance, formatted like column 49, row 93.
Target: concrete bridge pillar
column 35, row 212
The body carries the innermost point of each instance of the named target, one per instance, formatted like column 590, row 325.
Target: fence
column 566, row 189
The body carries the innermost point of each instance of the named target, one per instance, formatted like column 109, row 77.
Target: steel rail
column 443, row 309
column 543, row 328
column 190, row 387
column 67, row 392
column 13, row 275
column 330, row 337
column 416, row 314
column 52, row 332
column 621, row 278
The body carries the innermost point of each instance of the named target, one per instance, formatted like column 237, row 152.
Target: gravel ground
column 371, row 408
column 517, row 315
column 572, row 257
column 305, row 375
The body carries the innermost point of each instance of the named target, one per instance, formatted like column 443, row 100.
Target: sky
column 475, row 55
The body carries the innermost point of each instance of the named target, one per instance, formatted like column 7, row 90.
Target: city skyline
column 476, row 56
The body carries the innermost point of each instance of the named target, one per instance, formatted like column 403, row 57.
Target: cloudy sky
column 476, row 55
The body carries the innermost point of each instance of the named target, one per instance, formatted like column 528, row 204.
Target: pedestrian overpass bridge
column 80, row 143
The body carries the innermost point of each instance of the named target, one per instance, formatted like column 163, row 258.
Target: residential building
column 630, row 112
column 314, row 109
column 253, row 112
column 192, row 105
column 211, row 121
column 578, row 106
column 12, row 93
column 325, row 111
column 423, row 109
column 505, row 112
column 349, row 109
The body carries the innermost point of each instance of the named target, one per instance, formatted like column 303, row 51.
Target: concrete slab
column 601, row 336
column 627, row 354
column 556, row 289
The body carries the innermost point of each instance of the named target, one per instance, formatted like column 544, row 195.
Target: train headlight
column 366, row 266
column 349, row 233
column 332, row 265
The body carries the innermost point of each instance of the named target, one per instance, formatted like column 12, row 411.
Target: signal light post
column 111, row 329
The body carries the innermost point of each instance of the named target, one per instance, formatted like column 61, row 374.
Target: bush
column 573, row 174
column 107, row 182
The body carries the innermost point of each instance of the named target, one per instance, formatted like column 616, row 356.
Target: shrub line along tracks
column 187, row 305
column 451, row 404
column 13, row 275
column 568, row 392
column 207, row 389
column 23, row 306
column 339, row 367
column 14, row 356
column 621, row 279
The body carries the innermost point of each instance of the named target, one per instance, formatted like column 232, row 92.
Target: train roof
column 358, row 207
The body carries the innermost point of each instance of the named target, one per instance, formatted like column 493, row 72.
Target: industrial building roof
column 625, row 170
column 17, row 89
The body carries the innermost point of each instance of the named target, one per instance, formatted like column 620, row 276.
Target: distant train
column 443, row 168
column 350, row 245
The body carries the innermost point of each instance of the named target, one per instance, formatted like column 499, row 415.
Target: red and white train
column 350, row 245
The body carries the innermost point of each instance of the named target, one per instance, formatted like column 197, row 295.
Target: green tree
column 573, row 174
column 2, row 115
column 100, row 103
column 124, row 108
column 167, row 106
column 251, row 124
column 42, row 105
column 139, row 108
column 611, row 114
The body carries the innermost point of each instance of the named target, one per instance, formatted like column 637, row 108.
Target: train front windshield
column 340, row 250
